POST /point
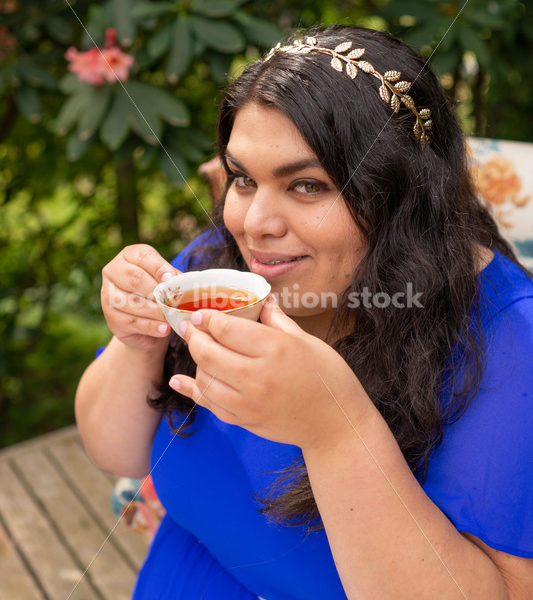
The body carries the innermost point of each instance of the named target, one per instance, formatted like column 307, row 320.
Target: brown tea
column 217, row 297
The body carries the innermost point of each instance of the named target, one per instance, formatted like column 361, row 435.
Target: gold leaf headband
column 392, row 91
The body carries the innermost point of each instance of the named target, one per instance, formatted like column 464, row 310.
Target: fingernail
column 174, row 383
column 196, row 318
column 163, row 328
column 183, row 326
column 272, row 299
column 166, row 276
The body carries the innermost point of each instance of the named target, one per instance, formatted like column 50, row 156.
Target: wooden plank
column 53, row 566
column 92, row 485
column 111, row 575
column 16, row 583
column 68, row 432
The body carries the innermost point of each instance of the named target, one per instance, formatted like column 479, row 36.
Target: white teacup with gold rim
column 238, row 293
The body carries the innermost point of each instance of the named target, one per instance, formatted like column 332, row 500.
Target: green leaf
column 28, row 103
column 483, row 18
column 413, row 8
column 214, row 8
column 142, row 114
column 61, row 30
column 36, row 76
column 143, row 60
column 448, row 34
column 97, row 23
column 445, row 62
column 192, row 144
column 94, row 113
column 123, row 20
column 70, row 84
column 70, row 112
column 218, row 35
column 257, row 30
column 147, row 156
column 470, row 41
column 115, row 127
column 220, row 65
column 170, row 108
column 421, row 35
column 159, row 102
column 181, row 50
column 173, row 166
column 160, row 41
column 152, row 9
column 76, row 147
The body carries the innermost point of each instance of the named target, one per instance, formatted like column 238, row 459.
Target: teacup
column 234, row 292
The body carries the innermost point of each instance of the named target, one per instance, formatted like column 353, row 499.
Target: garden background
column 82, row 173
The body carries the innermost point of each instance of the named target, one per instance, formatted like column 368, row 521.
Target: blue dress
column 213, row 543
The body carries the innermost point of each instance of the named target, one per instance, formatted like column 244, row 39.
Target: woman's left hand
column 271, row 378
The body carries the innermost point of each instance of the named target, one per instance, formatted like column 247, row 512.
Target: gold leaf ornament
column 351, row 70
column 402, row 86
column 366, row 67
column 408, row 101
column 392, row 75
column 336, row 63
column 392, row 90
column 342, row 47
column 384, row 93
column 395, row 103
column 357, row 53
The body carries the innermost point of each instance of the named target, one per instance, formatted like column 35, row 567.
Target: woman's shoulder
column 191, row 255
column 505, row 287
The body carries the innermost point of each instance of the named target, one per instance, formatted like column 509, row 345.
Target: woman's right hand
column 127, row 302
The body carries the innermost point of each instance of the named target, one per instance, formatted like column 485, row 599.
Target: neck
column 317, row 325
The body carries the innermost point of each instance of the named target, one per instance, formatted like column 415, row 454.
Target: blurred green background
column 82, row 174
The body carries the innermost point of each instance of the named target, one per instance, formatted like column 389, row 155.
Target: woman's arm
column 388, row 539
column 116, row 424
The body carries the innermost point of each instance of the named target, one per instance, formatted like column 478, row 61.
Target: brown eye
column 244, row 181
column 311, row 188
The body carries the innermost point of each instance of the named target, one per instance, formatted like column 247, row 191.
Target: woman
column 367, row 438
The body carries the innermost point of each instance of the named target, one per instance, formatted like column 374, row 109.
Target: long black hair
column 423, row 226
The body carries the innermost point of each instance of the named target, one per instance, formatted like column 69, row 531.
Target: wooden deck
column 59, row 538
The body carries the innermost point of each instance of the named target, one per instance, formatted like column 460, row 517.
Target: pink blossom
column 110, row 37
column 116, row 64
column 86, row 65
column 96, row 66
column 7, row 42
column 8, row 6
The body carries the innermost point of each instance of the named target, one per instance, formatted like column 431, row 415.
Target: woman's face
column 282, row 205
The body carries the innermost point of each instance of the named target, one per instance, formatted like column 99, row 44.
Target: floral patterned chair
column 503, row 174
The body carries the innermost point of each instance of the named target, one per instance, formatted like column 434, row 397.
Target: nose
column 265, row 216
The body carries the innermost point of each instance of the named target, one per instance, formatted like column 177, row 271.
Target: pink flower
column 8, row 6
column 86, row 65
column 116, row 64
column 96, row 66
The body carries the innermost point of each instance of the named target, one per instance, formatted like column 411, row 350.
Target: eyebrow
column 283, row 170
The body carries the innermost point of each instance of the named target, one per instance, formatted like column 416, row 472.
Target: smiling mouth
column 279, row 262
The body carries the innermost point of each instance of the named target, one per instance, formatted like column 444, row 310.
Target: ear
column 273, row 316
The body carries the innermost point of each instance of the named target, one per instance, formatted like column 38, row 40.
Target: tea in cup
column 234, row 292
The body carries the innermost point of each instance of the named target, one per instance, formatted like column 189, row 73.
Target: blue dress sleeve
column 185, row 261
column 481, row 476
